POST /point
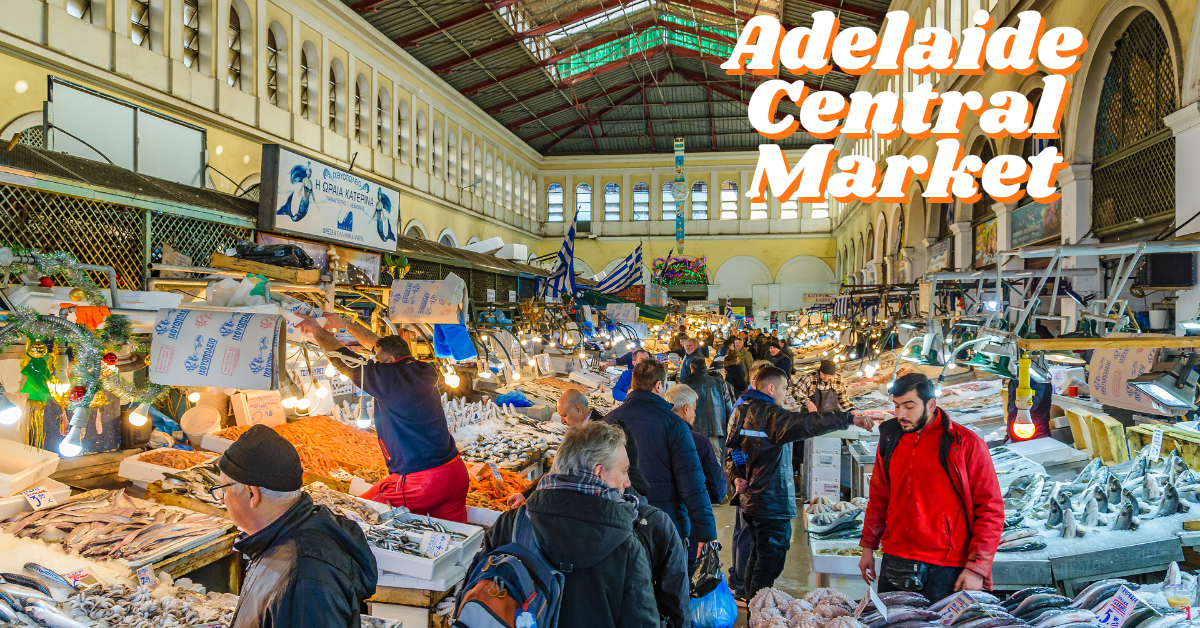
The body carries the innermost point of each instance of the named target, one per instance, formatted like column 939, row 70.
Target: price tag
column 956, row 607
column 38, row 498
column 434, row 544
column 340, row 474
column 496, row 472
column 145, row 577
column 862, row 605
column 82, row 579
column 1156, row 444
column 879, row 605
column 1118, row 609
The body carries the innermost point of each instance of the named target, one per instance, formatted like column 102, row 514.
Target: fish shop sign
column 1118, row 609
column 306, row 197
column 956, row 607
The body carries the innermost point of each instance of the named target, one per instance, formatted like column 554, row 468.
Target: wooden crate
column 1186, row 442
column 155, row 493
column 279, row 273
column 1097, row 433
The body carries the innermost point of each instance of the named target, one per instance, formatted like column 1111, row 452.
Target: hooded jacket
column 591, row 540
column 964, row 457
column 668, row 460
column 714, row 403
column 308, row 569
column 668, row 564
column 764, row 432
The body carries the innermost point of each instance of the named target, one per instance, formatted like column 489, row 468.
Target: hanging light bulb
column 532, row 362
column 330, row 371
column 869, row 369
column 322, row 392
column 194, row 397
column 343, row 377
column 485, row 374
column 516, row 375
column 289, row 392
column 364, row 419
column 302, row 403
column 9, row 412
column 551, row 344
column 140, row 415
column 72, row 445
column 452, row 379
column 1023, row 427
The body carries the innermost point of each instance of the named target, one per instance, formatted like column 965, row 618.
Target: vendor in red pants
column 427, row 475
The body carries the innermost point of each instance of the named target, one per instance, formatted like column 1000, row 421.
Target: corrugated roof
column 570, row 77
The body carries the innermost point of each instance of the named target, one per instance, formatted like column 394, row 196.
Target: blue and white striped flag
column 841, row 306
column 728, row 310
column 627, row 273
column 562, row 279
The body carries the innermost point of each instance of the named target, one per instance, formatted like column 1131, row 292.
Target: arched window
column 508, row 196
column 402, row 131
column 190, row 33
column 583, row 202
column 525, row 200
column 436, row 145
column 820, row 210
column 414, row 233
column 1131, row 140
column 612, row 202
column 533, row 204
column 668, row 202
column 789, row 210
column 758, row 211
column 383, row 115
column 554, row 203
column 308, row 81
column 234, row 53
column 465, row 162
column 641, row 201
column 446, row 240
column 699, row 201
column 81, row 9
column 336, row 83
column 362, row 124
column 277, row 65
column 729, row 200
column 479, row 189
column 869, row 251
column 488, row 181
column 452, row 158
column 498, row 180
column 419, row 147
column 139, row 23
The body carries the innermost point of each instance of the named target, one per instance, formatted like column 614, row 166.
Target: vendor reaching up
column 427, row 475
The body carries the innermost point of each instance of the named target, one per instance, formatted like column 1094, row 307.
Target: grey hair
column 681, row 395
column 275, row 495
column 593, row 443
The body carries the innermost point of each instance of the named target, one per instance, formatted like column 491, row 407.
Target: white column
column 1185, row 124
column 1004, row 232
column 655, row 198
column 295, row 46
column 260, row 49
column 743, row 200
column 569, row 203
column 963, row 245
column 597, row 200
column 714, row 196
column 626, row 199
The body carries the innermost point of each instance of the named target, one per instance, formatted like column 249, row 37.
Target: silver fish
column 1125, row 519
column 51, row 619
column 1088, row 471
column 9, row 614
column 1017, row 533
column 1139, row 468
column 1070, row 528
column 48, row 576
column 1114, row 490
column 23, row 594
column 1091, row 515
column 1170, row 504
column 1127, row 496
column 1151, row 488
column 1071, row 616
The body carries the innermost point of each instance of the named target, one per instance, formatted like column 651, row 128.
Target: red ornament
column 46, row 282
column 110, row 358
column 78, row 392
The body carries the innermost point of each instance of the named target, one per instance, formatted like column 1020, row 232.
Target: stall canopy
column 598, row 300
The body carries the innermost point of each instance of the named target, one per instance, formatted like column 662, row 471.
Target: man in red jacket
column 943, row 532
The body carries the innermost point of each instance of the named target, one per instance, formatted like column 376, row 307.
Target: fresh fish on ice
column 1170, row 504
column 1070, row 527
column 1125, row 519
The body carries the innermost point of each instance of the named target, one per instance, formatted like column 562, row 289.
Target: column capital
column 1075, row 172
column 960, row 227
column 1003, row 208
column 1184, row 119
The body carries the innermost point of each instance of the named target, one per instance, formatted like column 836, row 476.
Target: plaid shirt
column 589, row 484
column 811, row 383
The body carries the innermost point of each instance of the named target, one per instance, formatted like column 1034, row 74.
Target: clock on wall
column 679, row 190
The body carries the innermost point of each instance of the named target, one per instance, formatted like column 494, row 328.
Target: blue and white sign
column 304, row 196
column 220, row 349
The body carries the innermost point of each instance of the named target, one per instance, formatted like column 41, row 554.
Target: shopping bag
column 715, row 610
column 707, row 572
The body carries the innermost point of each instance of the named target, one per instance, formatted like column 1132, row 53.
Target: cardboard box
column 258, row 406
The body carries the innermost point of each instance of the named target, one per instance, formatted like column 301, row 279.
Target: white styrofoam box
column 252, row 407
column 518, row 252
column 134, row 470
column 820, row 481
column 482, row 516
column 22, row 466
column 1062, row 377
column 833, row 564
column 587, row 379
column 212, row 443
column 51, row 299
column 825, row 444
column 399, row 581
column 1047, row 451
column 416, row 566
column 486, row 247
column 823, row 460
column 406, row 615
column 10, row 506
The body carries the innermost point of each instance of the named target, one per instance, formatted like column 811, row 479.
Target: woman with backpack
column 579, row 523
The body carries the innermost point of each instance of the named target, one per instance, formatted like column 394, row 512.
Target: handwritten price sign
column 38, row 498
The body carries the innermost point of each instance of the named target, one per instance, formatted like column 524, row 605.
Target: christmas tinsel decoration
column 50, row 264
column 677, row 271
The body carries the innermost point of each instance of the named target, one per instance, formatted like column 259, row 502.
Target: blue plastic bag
column 516, row 398
column 715, row 610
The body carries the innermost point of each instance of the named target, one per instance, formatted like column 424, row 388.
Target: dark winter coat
column 714, row 404
column 668, row 460
column 714, row 476
column 636, row 479
column 309, row 568
column 668, row 564
column 591, row 539
column 764, row 432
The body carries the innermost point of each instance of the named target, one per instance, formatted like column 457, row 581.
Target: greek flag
column 841, row 306
column 627, row 273
column 728, row 310
column 562, row 280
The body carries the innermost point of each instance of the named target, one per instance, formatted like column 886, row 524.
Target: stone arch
column 583, row 269
column 738, row 274
column 448, row 238
column 473, row 240
column 801, row 274
column 1109, row 26
column 283, row 55
column 20, row 124
column 419, row 227
column 916, row 226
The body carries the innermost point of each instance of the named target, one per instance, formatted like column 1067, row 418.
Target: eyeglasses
column 218, row 492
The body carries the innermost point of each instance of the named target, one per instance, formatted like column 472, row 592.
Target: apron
column 825, row 401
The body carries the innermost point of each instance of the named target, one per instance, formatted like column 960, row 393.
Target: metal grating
column 526, row 288
column 1136, row 187
column 481, row 282
column 33, row 136
column 195, row 238
column 94, row 232
column 505, row 284
column 423, row 270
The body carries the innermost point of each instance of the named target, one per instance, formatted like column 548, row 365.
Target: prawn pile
column 174, row 458
column 485, row 494
column 821, row 608
column 325, row 445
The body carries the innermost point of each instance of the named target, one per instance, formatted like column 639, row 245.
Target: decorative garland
column 60, row 262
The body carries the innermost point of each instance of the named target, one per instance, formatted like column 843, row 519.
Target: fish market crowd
column 619, row 530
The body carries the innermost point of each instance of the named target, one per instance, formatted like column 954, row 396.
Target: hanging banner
column 1035, row 222
column 679, row 192
column 939, row 254
column 985, row 243
column 306, row 197
column 217, row 349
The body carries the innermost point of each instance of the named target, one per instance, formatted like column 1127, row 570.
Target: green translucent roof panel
column 638, row 42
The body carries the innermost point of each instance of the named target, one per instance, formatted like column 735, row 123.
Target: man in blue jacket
column 667, row 454
column 621, row 389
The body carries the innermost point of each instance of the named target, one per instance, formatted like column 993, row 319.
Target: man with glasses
column 308, row 567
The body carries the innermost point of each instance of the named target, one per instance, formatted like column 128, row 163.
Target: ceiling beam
column 587, row 116
column 711, row 8
column 459, row 20
column 446, row 66
column 549, row 112
column 592, row 119
column 573, row 18
column 872, row 15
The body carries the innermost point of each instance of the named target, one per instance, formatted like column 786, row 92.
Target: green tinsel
column 60, row 262
column 37, row 374
column 117, row 330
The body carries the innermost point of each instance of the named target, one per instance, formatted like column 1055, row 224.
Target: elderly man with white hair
column 584, row 524
column 683, row 400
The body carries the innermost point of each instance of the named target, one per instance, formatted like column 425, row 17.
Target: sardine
column 9, row 614
column 1125, row 519
column 25, row 581
column 1170, row 504
column 1098, row 591
column 1070, row 528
